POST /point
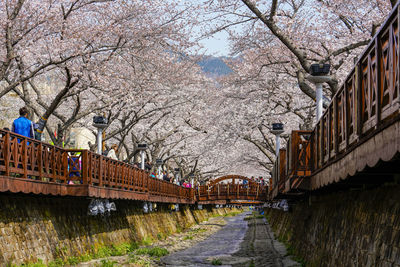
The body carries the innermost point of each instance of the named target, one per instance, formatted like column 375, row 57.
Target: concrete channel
column 239, row 243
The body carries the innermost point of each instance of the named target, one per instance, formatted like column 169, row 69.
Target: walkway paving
column 238, row 243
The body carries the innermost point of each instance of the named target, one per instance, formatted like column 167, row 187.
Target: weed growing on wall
column 147, row 241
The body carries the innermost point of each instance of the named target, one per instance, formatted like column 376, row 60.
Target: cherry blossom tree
column 275, row 42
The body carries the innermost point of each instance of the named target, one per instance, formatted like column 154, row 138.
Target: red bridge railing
column 219, row 191
column 26, row 158
column 35, row 161
column 367, row 102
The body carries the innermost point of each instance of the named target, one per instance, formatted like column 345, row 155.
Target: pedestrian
column 113, row 152
column 165, row 176
column 22, row 125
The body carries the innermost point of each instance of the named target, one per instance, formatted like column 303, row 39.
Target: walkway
column 358, row 131
column 236, row 244
column 30, row 166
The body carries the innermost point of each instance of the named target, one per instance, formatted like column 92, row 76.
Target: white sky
column 218, row 45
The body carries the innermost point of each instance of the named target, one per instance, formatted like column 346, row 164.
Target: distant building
column 80, row 138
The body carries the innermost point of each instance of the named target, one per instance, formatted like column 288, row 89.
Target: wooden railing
column 26, row 158
column 367, row 102
column 220, row 191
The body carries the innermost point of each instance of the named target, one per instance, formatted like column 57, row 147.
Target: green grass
column 39, row 263
column 198, row 230
column 138, row 261
column 153, row 252
column 108, row 263
column 56, row 263
column 178, row 229
column 147, row 241
column 103, row 252
column 231, row 214
column 161, row 236
column 72, row 260
column 188, row 237
column 216, row 262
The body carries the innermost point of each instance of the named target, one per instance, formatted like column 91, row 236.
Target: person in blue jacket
column 23, row 125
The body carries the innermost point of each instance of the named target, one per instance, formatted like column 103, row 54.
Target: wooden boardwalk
column 29, row 166
column 359, row 130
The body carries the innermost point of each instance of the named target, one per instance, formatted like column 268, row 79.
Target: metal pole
column 277, row 144
column 142, row 156
column 319, row 100
column 99, row 140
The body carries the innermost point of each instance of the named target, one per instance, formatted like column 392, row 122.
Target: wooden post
column 346, row 110
column 218, row 190
column 40, row 160
column 357, row 100
column 89, row 164
column 25, row 157
column 7, row 153
column 335, row 126
column 84, row 167
column 147, row 178
column 100, row 171
column 64, row 163
column 52, row 162
column 379, row 86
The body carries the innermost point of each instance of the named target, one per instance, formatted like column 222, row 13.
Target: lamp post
column 100, row 123
column 191, row 178
column 177, row 171
column 142, row 147
column 159, row 163
column 319, row 75
column 277, row 130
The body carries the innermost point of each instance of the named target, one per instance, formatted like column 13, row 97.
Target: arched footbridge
column 231, row 189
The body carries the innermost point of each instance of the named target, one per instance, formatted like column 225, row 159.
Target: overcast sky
column 218, row 45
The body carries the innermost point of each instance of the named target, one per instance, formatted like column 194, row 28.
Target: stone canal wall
column 353, row 228
column 47, row 228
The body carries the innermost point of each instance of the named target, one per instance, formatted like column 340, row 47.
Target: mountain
column 214, row 66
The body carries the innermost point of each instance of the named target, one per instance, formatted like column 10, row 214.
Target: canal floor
column 239, row 243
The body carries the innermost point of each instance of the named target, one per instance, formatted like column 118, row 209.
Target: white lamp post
column 159, row 163
column 191, row 177
column 319, row 75
column 100, row 123
column 277, row 130
column 177, row 176
column 142, row 147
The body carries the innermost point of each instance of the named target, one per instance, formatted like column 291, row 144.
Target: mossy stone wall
column 352, row 228
column 47, row 228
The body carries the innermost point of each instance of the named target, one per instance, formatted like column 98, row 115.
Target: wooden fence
column 366, row 103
